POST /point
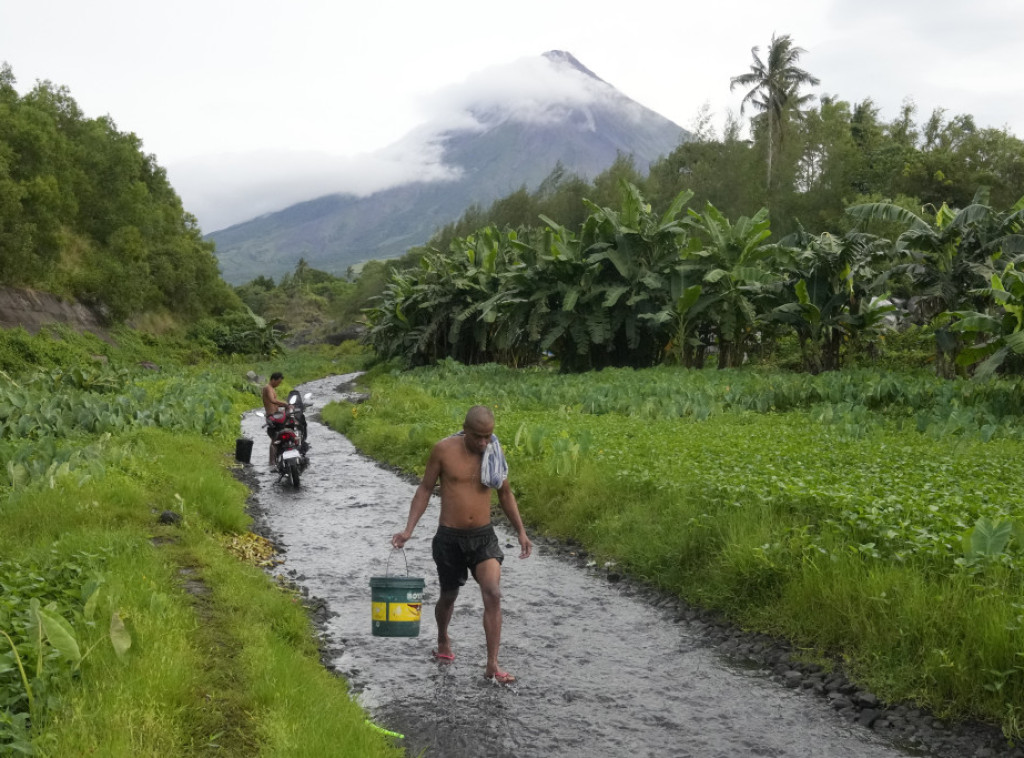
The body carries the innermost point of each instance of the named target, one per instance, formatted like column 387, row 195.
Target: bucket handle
column 387, row 569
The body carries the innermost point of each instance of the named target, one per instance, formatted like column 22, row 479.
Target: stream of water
column 602, row 671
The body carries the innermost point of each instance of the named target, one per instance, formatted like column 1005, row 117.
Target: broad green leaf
column 60, row 634
column 801, row 292
column 976, row 322
column 92, row 597
column 1015, row 342
column 621, row 260
column 944, row 217
column 119, row 636
column 613, row 294
column 570, row 299
column 673, row 210
column 988, row 367
column 689, row 297
column 988, row 538
column 974, row 353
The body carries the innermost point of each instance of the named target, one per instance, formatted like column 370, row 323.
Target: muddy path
column 605, row 667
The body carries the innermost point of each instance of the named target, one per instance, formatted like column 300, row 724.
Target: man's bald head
column 478, row 428
column 479, row 416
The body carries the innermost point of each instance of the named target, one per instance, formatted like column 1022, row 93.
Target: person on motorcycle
column 271, row 405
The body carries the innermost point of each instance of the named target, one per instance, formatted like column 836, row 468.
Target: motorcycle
column 288, row 428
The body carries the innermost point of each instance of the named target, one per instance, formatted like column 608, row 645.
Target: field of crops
column 868, row 516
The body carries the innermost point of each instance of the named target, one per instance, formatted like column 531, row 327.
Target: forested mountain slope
column 87, row 215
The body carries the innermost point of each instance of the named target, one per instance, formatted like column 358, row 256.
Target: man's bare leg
column 488, row 576
column 443, row 616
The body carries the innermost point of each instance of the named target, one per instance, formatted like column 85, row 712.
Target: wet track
column 602, row 671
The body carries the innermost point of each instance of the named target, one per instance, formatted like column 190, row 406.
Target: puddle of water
column 601, row 673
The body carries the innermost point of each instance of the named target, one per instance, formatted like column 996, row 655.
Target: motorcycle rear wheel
column 293, row 472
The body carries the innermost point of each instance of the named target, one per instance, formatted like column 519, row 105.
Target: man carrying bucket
column 469, row 464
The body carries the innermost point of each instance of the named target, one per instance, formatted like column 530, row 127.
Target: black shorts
column 458, row 551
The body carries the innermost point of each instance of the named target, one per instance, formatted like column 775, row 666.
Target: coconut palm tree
column 774, row 90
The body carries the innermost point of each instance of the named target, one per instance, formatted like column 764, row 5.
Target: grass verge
column 853, row 535
column 139, row 633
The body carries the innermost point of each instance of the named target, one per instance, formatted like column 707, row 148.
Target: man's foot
column 500, row 677
column 442, row 657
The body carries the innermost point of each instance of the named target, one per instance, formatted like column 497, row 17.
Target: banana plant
column 945, row 259
column 732, row 263
column 831, row 280
column 997, row 337
column 635, row 255
column 687, row 313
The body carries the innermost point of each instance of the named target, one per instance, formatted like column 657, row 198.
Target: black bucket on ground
column 396, row 604
column 243, row 449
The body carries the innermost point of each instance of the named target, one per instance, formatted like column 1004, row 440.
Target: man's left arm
column 507, row 501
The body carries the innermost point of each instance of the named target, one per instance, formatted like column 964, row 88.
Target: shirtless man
column 465, row 540
column 271, row 405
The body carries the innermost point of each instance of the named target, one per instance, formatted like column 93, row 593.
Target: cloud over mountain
column 502, row 129
column 226, row 189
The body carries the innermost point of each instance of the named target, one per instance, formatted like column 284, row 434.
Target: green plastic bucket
column 396, row 604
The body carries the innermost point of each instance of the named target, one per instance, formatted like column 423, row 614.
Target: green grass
column 836, row 524
column 221, row 658
column 220, row 655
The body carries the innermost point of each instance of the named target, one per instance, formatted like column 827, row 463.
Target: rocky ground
column 31, row 310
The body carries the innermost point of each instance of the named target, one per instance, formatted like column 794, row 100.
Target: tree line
column 828, row 226
column 85, row 213
column 632, row 287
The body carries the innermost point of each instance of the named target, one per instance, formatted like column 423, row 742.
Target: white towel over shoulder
column 493, row 467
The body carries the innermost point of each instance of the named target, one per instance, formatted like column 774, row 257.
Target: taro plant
column 563, row 452
column 989, row 540
column 59, row 423
column 44, row 646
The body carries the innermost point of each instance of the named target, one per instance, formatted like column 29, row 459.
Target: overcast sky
column 248, row 104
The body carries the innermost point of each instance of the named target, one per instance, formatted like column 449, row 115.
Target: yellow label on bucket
column 398, row 611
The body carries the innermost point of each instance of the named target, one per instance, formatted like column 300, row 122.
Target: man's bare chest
column 461, row 470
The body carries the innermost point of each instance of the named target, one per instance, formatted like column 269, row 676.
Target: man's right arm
column 420, row 499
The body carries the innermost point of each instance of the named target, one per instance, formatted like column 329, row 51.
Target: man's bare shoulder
column 450, row 448
column 447, row 444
